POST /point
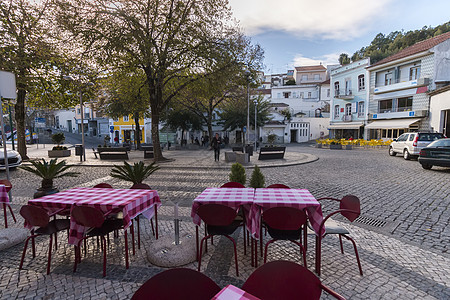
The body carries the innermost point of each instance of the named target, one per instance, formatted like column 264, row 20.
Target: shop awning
column 352, row 125
column 391, row 124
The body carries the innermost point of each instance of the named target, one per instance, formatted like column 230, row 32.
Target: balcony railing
column 397, row 109
column 347, row 118
column 343, row 94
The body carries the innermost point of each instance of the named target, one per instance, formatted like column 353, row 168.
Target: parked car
column 409, row 144
column 436, row 154
column 14, row 159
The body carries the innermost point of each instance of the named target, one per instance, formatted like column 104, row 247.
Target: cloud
column 328, row 19
column 327, row 59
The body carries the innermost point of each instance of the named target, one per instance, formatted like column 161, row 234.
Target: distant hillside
column 383, row 46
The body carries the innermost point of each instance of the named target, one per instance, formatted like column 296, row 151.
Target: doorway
column 294, row 135
column 446, row 128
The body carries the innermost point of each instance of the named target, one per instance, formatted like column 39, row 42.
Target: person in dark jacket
column 215, row 143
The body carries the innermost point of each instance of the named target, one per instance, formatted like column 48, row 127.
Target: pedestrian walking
column 215, row 143
column 203, row 141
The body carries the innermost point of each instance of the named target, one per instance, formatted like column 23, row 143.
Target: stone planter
column 242, row 158
column 230, row 156
column 319, row 146
column 348, row 147
column 336, row 146
column 40, row 192
column 59, row 153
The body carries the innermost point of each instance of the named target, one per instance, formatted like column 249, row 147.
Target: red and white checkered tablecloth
column 131, row 202
column 295, row 198
column 3, row 194
column 231, row 197
column 230, row 292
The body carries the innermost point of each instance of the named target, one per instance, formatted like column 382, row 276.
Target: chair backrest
column 7, row 184
column 352, row 203
column 278, row 186
column 175, row 284
column 283, row 280
column 140, row 186
column 34, row 216
column 232, row 184
column 216, row 214
column 103, row 185
column 284, row 218
column 87, row 216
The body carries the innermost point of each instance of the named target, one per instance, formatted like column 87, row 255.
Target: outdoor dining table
column 231, row 292
column 131, row 202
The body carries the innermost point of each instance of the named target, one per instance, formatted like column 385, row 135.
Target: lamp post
column 256, row 126
column 248, row 77
column 82, row 157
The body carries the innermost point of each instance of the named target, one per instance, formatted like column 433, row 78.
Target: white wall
column 65, row 115
column 438, row 104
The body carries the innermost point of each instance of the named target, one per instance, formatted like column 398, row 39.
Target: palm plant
column 135, row 174
column 49, row 171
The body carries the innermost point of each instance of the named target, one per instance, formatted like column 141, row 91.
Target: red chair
column 349, row 207
column 219, row 220
column 103, row 185
column 177, row 284
column 232, row 184
column 8, row 187
column 285, row 223
column 98, row 227
column 143, row 186
column 285, row 280
column 278, row 186
column 38, row 217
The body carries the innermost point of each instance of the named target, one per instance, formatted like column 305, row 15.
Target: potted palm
column 135, row 174
column 58, row 150
column 48, row 171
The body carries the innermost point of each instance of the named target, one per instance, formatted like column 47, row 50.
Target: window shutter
column 354, row 107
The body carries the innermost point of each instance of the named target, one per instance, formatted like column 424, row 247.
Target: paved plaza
column 402, row 236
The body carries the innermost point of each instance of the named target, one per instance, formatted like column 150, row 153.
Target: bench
column 95, row 152
column 113, row 152
column 271, row 153
column 237, row 149
column 148, row 151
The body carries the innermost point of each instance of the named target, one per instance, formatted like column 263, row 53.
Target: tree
column 290, row 82
column 182, row 119
column 27, row 51
column 127, row 94
column 234, row 112
column 170, row 40
column 257, row 179
column 344, row 59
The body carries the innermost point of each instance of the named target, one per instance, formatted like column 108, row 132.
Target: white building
column 440, row 110
column 398, row 99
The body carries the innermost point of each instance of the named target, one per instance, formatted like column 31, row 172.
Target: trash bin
column 249, row 150
column 79, row 150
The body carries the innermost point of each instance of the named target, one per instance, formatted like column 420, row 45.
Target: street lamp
column 256, row 135
column 248, row 77
column 83, row 157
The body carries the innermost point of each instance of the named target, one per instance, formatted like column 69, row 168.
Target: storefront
column 347, row 130
column 391, row 129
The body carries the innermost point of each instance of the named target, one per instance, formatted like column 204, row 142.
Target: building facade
column 349, row 100
column 398, row 99
column 440, row 110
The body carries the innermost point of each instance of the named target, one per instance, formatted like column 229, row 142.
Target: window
column 388, row 78
column 411, row 137
column 328, row 93
column 279, row 95
column 286, row 94
column 361, row 109
column 403, row 138
column 309, row 95
column 126, row 118
column 316, row 76
column 385, row 106
column 336, row 89
column 361, row 83
column 348, row 109
column 405, row 104
column 414, row 73
column 304, row 77
column 301, row 94
column 348, row 87
column 78, row 110
column 294, row 94
column 336, row 111
column 86, row 115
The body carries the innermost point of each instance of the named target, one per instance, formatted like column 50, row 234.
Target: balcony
column 394, row 114
column 344, row 94
column 347, row 118
column 396, row 85
column 311, row 80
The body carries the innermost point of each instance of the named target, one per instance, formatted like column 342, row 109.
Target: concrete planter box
column 336, row 147
column 230, row 156
column 348, row 147
column 59, row 153
column 242, row 158
column 319, row 146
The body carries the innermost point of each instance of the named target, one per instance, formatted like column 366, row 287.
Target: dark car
column 436, row 154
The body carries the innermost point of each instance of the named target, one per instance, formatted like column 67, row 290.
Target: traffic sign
column 245, row 129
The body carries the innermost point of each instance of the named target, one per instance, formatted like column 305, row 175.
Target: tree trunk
column 243, row 135
column 157, row 153
column 137, row 136
column 20, row 123
column 210, row 133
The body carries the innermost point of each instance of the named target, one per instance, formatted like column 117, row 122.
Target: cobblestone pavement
column 406, row 257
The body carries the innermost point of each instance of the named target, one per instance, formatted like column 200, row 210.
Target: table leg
column 256, row 253
column 196, row 241
column 127, row 265
column 251, row 250
column 6, row 218
column 156, row 220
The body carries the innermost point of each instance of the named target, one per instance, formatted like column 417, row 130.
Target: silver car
column 14, row 159
column 409, row 144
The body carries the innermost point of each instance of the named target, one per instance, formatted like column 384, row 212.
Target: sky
column 308, row 32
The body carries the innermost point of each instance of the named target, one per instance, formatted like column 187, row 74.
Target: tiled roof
column 310, row 68
column 326, row 81
column 274, row 123
column 279, row 104
column 416, row 48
